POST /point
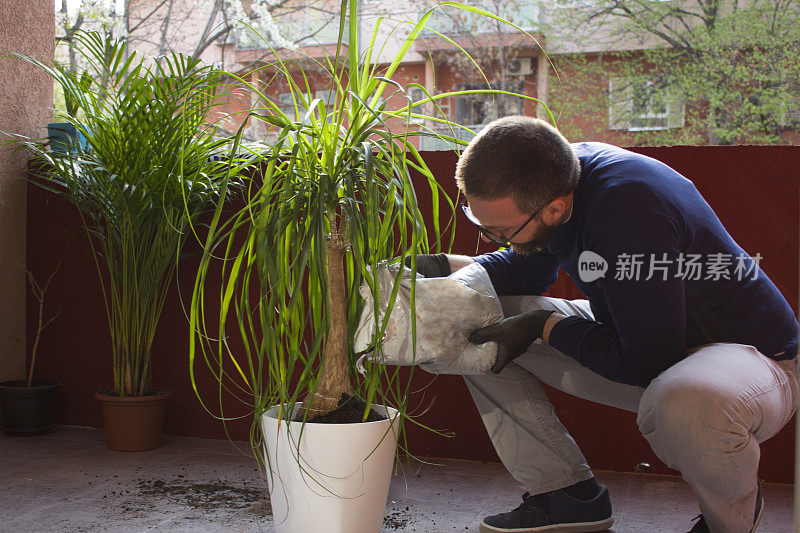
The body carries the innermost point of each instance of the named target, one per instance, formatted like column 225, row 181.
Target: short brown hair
column 522, row 157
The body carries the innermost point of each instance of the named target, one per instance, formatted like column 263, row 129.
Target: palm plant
column 334, row 199
column 151, row 166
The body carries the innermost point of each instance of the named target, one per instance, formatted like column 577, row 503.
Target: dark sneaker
column 701, row 527
column 553, row 511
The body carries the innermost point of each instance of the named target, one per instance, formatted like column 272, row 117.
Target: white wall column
column 542, row 76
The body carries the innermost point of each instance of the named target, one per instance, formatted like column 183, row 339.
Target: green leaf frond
column 151, row 165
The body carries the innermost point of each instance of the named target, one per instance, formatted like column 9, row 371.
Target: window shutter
column 676, row 107
column 327, row 96
column 788, row 114
column 619, row 103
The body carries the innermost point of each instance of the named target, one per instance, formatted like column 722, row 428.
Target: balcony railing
column 308, row 31
column 452, row 21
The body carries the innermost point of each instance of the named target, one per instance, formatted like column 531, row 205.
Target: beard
column 539, row 241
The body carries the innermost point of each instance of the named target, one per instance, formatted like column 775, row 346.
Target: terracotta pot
column 134, row 423
column 27, row 410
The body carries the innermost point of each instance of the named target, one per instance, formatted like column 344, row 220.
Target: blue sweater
column 703, row 288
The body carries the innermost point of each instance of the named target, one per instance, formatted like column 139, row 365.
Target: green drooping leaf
column 344, row 163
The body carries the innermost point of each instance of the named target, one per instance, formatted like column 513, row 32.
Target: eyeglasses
column 497, row 239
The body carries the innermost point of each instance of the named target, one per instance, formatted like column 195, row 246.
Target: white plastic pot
column 339, row 480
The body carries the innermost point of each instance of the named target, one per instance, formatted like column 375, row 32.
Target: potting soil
column 350, row 411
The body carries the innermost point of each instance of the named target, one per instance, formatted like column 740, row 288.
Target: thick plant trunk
column 334, row 377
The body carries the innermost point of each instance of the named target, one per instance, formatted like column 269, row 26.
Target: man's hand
column 513, row 335
column 431, row 266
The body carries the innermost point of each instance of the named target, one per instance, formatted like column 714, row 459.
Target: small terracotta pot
column 134, row 423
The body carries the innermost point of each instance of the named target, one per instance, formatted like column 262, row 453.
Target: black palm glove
column 513, row 335
column 431, row 266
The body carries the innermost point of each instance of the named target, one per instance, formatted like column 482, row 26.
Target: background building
column 632, row 72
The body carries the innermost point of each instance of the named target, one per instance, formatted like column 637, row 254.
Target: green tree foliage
column 734, row 65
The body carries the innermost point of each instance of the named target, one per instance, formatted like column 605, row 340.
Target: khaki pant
column 705, row 416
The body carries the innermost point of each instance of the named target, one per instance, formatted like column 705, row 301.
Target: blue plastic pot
column 64, row 136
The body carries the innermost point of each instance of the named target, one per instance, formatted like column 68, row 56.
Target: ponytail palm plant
column 150, row 167
column 334, row 198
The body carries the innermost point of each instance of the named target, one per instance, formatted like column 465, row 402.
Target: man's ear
column 555, row 210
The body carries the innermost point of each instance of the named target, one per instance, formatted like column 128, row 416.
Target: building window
column 789, row 113
column 286, row 101
column 415, row 94
column 482, row 108
column 649, row 110
column 328, row 96
column 643, row 105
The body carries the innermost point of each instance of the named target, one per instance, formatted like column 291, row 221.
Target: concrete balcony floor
column 68, row 480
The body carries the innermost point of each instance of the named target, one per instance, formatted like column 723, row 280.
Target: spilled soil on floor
column 209, row 496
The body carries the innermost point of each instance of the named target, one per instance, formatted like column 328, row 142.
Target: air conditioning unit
column 521, row 66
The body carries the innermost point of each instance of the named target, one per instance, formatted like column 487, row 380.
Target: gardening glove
column 446, row 310
column 431, row 266
column 512, row 335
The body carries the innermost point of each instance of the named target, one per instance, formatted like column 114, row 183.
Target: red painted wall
column 754, row 190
